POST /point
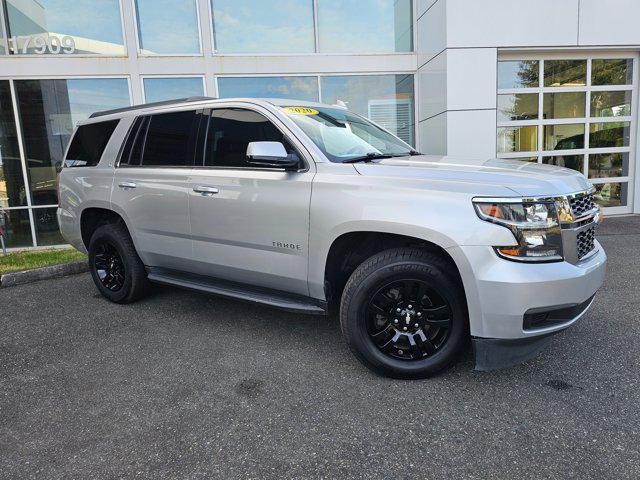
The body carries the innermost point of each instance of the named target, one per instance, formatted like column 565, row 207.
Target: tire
column 369, row 324
column 114, row 241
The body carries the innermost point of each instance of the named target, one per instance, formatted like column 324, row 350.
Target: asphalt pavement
column 184, row 385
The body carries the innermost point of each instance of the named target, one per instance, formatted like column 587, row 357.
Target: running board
column 284, row 301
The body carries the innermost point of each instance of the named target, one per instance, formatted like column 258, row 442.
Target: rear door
column 250, row 224
column 152, row 184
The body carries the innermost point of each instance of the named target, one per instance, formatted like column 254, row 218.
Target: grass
column 18, row 261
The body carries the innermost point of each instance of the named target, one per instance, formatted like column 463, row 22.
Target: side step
column 284, row 301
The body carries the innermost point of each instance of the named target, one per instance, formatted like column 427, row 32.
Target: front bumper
column 500, row 292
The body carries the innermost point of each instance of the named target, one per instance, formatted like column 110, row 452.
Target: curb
column 53, row 271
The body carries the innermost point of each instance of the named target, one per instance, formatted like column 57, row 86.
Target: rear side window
column 89, row 143
column 170, row 139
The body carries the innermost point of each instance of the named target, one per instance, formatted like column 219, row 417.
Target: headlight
column 535, row 226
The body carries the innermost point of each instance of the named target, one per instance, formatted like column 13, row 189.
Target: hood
column 522, row 178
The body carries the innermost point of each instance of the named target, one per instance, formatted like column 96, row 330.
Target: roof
column 279, row 102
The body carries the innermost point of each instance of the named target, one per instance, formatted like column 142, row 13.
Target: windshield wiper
column 375, row 156
column 368, row 157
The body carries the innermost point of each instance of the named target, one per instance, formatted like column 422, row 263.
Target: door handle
column 204, row 190
column 127, row 185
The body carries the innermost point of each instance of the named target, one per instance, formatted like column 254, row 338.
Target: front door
column 249, row 224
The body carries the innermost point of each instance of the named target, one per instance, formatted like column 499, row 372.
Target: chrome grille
column 585, row 241
column 582, row 204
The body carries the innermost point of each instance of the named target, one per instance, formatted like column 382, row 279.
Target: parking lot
column 183, row 385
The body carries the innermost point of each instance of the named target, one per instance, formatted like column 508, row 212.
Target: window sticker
column 301, row 110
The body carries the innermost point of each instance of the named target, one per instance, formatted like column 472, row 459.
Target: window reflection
column 61, row 27
column 565, row 73
column 611, row 194
column 564, row 137
column 16, row 228
column 295, row 88
column 613, row 134
column 387, row 100
column 256, row 26
column 48, row 110
column 158, row 89
column 365, row 26
column 168, row 26
column 518, row 73
column 12, row 191
column 564, row 105
column 611, row 104
column 47, row 229
column 618, row 71
column 518, row 139
column 605, row 165
column 521, row 106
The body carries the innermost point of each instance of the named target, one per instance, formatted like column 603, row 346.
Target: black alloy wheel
column 109, row 266
column 115, row 266
column 408, row 319
column 404, row 314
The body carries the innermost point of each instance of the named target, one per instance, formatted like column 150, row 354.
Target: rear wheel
column 404, row 314
column 115, row 266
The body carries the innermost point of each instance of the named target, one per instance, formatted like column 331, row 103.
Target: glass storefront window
column 564, row 105
column 518, row 139
column 519, row 106
column 565, row 73
column 168, row 27
column 613, row 134
column 387, row 100
column 604, row 165
column 564, row 137
column 12, row 191
column 295, row 88
column 574, row 162
column 60, row 27
column 256, row 26
column 617, row 71
column 611, row 104
column 47, row 230
column 611, row 194
column 365, row 26
column 518, row 74
column 157, row 89
column 16, row 228
column 48, row 110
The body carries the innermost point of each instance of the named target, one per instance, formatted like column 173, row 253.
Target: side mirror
column 270, row 154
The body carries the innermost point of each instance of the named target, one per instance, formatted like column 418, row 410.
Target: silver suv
column 310, row 208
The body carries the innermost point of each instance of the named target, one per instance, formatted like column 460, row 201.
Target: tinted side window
column 230, row 132
column 134, row 137
column 89, row 143
column 170, row 139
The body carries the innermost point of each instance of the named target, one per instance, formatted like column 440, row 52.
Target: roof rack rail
column 149, row 105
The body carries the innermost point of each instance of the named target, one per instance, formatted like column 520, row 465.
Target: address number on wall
column 38, row 44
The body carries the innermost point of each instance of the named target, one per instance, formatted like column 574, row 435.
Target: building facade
column 546, row 80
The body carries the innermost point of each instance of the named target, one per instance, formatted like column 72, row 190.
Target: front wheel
column 403, row 313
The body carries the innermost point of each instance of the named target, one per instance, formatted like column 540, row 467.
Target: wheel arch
column 92, row 218
column 349, row 249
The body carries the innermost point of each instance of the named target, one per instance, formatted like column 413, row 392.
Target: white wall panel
column 610, row 22
column 432, row 84
column 422, row 6
column 432, row 33
column 471, row 78
column 471, row 134
column 512, row 23
column 433, row 135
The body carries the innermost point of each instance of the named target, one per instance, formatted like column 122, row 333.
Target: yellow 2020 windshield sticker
column 301, row 110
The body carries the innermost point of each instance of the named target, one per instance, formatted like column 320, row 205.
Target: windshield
column 342, row 135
